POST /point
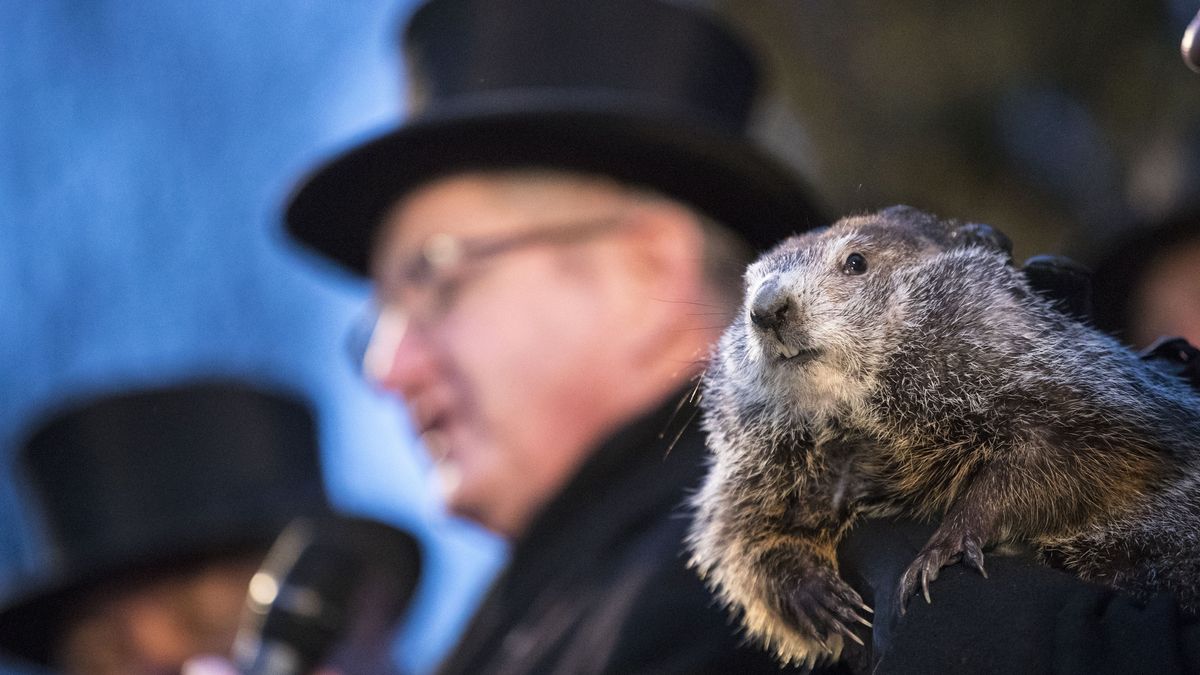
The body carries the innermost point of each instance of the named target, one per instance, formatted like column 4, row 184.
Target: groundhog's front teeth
column 793, row 354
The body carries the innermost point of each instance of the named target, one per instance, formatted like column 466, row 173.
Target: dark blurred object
column 1177, row 356
column 1126, row 263
column 136, row 484
column 1188, row 47
column 1063, row 282
column 1068, row 285
column 326, row 581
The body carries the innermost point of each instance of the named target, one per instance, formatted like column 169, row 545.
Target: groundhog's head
column 817, row 307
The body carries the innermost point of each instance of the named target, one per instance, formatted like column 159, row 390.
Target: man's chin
column 484, row 514
column 477, row 515
column 448, row 479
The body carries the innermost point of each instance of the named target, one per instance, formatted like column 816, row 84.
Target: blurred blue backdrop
column 147, row 148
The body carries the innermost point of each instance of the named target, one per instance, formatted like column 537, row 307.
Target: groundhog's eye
column 855, row 263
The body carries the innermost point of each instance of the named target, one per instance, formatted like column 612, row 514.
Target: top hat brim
column 338, row 209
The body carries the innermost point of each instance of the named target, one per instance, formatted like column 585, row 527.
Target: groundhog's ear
column 978, row 234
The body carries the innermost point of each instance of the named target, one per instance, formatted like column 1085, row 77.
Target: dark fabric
column 1024, row 618
column 599, row 583
column 1063, row 282
column 1177, row 356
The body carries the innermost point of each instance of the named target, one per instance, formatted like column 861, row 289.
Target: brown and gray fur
column 935, row 385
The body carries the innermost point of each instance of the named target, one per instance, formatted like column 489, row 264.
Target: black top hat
column 641, row 90
column 139, row 482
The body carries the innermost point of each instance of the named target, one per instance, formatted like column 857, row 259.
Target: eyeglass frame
column 441, row 262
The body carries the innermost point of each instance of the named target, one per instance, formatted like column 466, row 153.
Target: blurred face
column 1167, row 301
column 499, row 295
column 152, row 628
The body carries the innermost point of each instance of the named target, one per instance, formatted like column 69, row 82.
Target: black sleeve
column 676, row 627
column 1025, row 618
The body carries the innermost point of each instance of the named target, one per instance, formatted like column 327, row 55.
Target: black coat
column 599, row 582
column 1025, row 618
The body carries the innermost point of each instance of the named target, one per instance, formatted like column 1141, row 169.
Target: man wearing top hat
column 556, row 236
column 159, row 504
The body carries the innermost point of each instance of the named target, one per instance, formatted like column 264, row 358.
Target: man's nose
column 397, row 356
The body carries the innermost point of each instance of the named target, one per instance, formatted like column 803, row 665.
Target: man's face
column 152, row 627
column 506, row 359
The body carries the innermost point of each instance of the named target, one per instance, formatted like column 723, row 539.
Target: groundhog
column 898, row 364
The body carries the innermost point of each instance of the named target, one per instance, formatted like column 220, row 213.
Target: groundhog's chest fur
column 896, row 363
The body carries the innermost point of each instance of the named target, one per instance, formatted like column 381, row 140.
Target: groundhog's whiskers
column 690, row 398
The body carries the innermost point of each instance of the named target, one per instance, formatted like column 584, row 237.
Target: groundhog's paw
column 946, row 547
column 821, row 605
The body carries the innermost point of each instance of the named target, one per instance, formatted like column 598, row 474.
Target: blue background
column 146, row 149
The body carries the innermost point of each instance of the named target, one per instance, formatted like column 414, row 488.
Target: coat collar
column 643, row 468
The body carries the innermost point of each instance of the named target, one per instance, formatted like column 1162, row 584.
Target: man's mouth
column 432, row 423
column 434, row 442
column 427, row 413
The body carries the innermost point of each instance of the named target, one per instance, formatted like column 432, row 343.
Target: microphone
column 330, row 584
column 1189, row 47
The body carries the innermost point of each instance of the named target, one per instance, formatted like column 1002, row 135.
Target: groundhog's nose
column 772, row 306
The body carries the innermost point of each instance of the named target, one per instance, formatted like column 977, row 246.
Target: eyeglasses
column 428, row 285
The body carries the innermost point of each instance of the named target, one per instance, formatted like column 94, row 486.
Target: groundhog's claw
column 821, row 605
column 942, row 550
column 973, row 556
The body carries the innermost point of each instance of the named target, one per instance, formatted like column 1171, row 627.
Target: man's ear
column 665, row 254
column 669, row 245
